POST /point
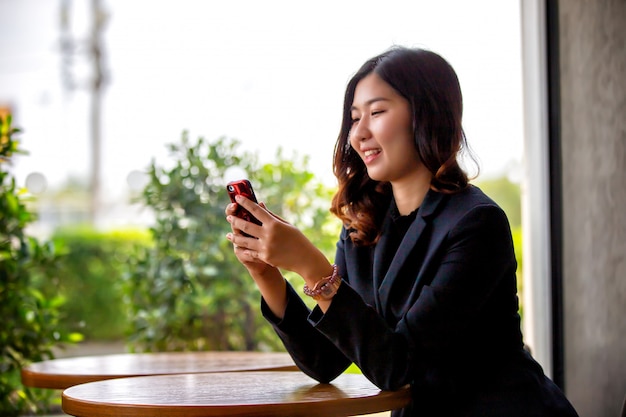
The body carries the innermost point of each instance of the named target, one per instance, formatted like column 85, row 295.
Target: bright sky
column 269, row 73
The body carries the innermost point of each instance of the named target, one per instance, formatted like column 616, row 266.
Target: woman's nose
column 360, row 131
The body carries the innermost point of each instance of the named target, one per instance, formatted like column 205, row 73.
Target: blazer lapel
column 429, row 205
column 380, row 253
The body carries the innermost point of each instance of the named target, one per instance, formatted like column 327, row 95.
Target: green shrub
column 189, row 292
column 517, row 244
column 91, row 268
column 28, row 329
column 507, row 194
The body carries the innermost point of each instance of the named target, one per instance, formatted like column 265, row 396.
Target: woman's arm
column 278, row 244
column 313, row 352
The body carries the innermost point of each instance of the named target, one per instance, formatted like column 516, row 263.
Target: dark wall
column 592, row 51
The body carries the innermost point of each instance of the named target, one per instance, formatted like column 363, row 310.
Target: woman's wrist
column 267, row 275
column 307, row 261
column 326, row 288
column 273, row 288
column 318, row 268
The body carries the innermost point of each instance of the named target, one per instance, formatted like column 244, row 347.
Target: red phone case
column 244, row 188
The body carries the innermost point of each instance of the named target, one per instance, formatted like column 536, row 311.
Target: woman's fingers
column 260, row 210
column 255, row 209
column 231, row 209
column 276, row 216
column 245, row 248
column 241, row 226
column 268, row 243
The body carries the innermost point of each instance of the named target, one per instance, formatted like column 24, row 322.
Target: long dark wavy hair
column 430, row 85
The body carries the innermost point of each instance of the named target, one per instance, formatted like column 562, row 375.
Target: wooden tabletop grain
column 64, row 373
column 276, row 394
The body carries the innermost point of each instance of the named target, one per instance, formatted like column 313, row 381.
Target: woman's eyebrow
column 370, row 102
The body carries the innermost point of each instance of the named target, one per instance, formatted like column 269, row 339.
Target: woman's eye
column 377, row 112
column 355, row 119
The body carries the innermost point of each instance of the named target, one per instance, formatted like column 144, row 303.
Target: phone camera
column 231, row 188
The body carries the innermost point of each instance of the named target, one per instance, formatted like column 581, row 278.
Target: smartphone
column 244, row 188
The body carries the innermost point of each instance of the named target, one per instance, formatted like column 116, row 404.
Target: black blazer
column 440, row 313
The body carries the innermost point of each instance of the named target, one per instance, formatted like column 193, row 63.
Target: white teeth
column 372, row 152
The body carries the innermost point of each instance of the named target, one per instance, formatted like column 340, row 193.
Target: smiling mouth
column 371, row 152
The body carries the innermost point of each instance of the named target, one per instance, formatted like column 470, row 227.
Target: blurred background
column 99, row 87
column 134, row 114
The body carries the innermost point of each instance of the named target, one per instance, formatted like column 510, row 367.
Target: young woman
column 423, row 289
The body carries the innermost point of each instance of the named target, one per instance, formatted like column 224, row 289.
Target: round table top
column 232, row 394
column 64, row 373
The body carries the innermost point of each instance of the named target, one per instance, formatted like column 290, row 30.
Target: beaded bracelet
column 326, row 288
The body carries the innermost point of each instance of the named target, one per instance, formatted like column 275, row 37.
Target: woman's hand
column 274, row 243
column 268, row 278
column 255, row 266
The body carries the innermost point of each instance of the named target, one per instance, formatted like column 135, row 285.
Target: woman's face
column 382, row 132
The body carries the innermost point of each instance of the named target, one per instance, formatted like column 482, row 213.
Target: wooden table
column 64, row 373
column 276, row 394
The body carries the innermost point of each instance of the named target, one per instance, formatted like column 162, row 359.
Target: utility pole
column 91, row 50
